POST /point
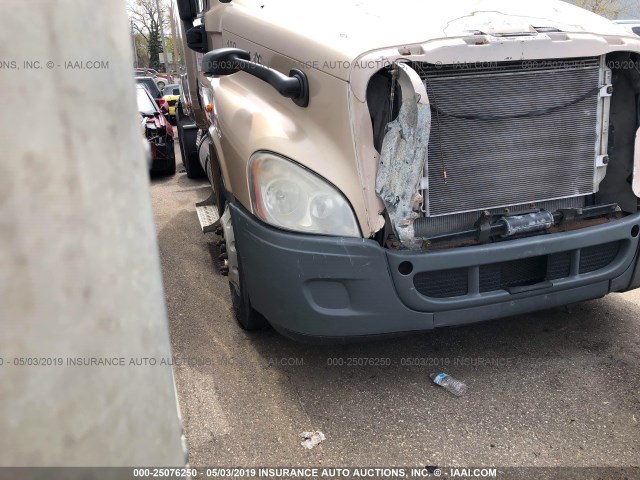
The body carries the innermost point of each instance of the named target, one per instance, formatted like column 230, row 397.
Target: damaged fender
column 403, row 157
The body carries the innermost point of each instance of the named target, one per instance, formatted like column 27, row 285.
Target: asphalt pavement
column 554, row 388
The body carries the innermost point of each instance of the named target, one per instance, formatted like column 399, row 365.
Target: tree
column 607, row 8
column 144, row 16
column 141, row 51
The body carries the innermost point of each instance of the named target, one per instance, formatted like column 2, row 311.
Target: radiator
column 481, row 157
column 426, row 227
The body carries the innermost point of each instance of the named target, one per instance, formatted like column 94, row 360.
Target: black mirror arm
column 286, row 86
column 295, row 86
column 228, row 61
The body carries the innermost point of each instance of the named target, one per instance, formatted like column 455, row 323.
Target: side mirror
column 188, row 10
column 227, row 61
column 197, row 39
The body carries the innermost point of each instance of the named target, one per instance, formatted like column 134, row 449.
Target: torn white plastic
column 312, row 439
column 403, row 157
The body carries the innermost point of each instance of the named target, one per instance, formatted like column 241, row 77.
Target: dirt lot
column 555, row 388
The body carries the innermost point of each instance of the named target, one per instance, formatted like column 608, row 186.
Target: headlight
column 288, row 196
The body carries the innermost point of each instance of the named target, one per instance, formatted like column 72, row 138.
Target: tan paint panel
column 336, row 32
column 337, row 142
column 252, row 116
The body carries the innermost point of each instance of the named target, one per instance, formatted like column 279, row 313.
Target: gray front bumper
column 330, row 287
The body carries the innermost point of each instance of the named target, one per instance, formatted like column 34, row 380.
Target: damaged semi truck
column 389, row 167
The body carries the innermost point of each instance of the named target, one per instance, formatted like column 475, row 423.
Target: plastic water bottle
column 454, row 386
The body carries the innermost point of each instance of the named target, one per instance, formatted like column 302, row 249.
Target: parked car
column 161, row 82
column 632, row 26
column 161, row 79
column 171, row 95
column 150, row 84
column 158, row 133
column 146, row 72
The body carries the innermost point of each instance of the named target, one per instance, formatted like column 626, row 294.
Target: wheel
column 188, row 147
column 180, row 145
column 217, row 184
column 246, row 316
column 171, row 169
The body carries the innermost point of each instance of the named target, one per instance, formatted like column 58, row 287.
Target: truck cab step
column 209, row 218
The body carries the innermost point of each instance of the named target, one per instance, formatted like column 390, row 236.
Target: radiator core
column 513, row 133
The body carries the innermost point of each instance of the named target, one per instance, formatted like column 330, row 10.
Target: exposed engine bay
column 505, row 149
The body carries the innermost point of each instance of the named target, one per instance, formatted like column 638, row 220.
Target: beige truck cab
column 390, row 167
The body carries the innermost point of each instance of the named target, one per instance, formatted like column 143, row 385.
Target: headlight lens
column 288, row 196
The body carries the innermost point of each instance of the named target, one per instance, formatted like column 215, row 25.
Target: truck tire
column 171, row 169
column 247, row 317
column 188, row 147
column 215, row 177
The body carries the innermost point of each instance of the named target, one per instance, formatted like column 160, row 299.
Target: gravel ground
column 554, row 388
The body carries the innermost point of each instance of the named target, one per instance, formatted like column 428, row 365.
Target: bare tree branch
column 607, row 8
column 145, row 18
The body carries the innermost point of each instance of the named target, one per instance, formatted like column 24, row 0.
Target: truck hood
column 343, row 30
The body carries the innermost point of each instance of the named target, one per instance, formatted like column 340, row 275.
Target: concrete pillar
column 79, row 267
